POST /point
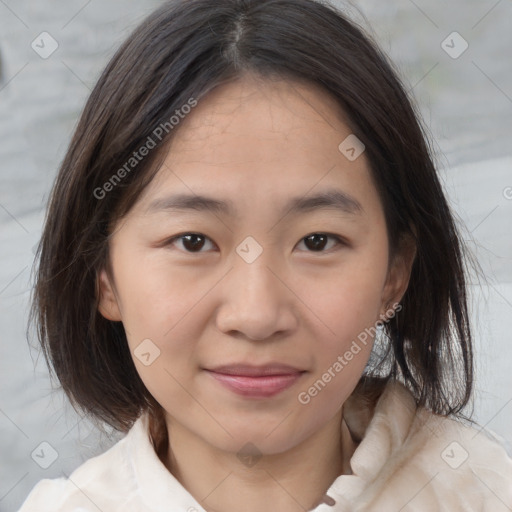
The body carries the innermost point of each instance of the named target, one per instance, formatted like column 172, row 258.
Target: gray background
column 466, row 103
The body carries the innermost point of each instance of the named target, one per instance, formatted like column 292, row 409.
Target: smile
column 256, row 382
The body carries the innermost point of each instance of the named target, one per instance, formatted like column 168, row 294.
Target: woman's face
column 254, row 275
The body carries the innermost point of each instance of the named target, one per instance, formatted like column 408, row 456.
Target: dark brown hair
column 181, row 52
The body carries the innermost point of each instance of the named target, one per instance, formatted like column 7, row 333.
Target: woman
column 248, row 210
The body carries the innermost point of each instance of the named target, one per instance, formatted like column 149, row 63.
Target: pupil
column 317, row 246
column 193, row 245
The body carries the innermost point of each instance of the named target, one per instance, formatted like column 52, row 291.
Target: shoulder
column 465, row 458
column 418, row 460
column 103, row 482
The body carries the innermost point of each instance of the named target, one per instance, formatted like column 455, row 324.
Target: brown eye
column 316, row 242
column 192, row 242
column 195, row 242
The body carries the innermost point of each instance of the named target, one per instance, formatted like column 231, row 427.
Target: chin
column 265, row 439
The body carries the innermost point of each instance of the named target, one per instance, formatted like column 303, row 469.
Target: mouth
column 256, row 381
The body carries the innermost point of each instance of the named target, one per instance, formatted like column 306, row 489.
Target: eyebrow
column 329, row 199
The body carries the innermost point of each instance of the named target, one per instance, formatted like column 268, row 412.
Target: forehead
column 252, row 109
column 258, row 141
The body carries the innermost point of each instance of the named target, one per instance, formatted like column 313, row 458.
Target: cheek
column 341, row 354
column 348, row 299
column 348, row 304
column 157, row 298
column 157, row 309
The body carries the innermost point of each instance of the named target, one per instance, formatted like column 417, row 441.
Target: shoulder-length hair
column 176, row 56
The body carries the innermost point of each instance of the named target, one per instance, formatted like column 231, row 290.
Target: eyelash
column 340, row 241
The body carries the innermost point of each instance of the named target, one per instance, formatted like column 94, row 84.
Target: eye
column 192, row 242
column 317, row 241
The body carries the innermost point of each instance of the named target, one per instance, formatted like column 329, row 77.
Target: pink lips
column 256, row 381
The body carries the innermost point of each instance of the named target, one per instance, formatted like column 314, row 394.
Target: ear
column 108, row 305
column 399, row 273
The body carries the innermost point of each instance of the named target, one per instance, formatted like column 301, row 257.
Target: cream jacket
column 407, row 460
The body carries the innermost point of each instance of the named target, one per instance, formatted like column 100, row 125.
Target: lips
column 256, row 371
column 256, row 381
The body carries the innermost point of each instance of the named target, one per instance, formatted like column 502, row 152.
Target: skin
column 256, row 143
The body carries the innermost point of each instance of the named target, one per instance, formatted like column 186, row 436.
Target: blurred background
column 454, row 58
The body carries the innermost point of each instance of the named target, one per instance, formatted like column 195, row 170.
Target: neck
column 293, row 481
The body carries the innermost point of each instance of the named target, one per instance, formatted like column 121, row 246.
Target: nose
column 256, row 301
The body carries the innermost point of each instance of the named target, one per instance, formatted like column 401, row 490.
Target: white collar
column 160, row 488
column 400, row 449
